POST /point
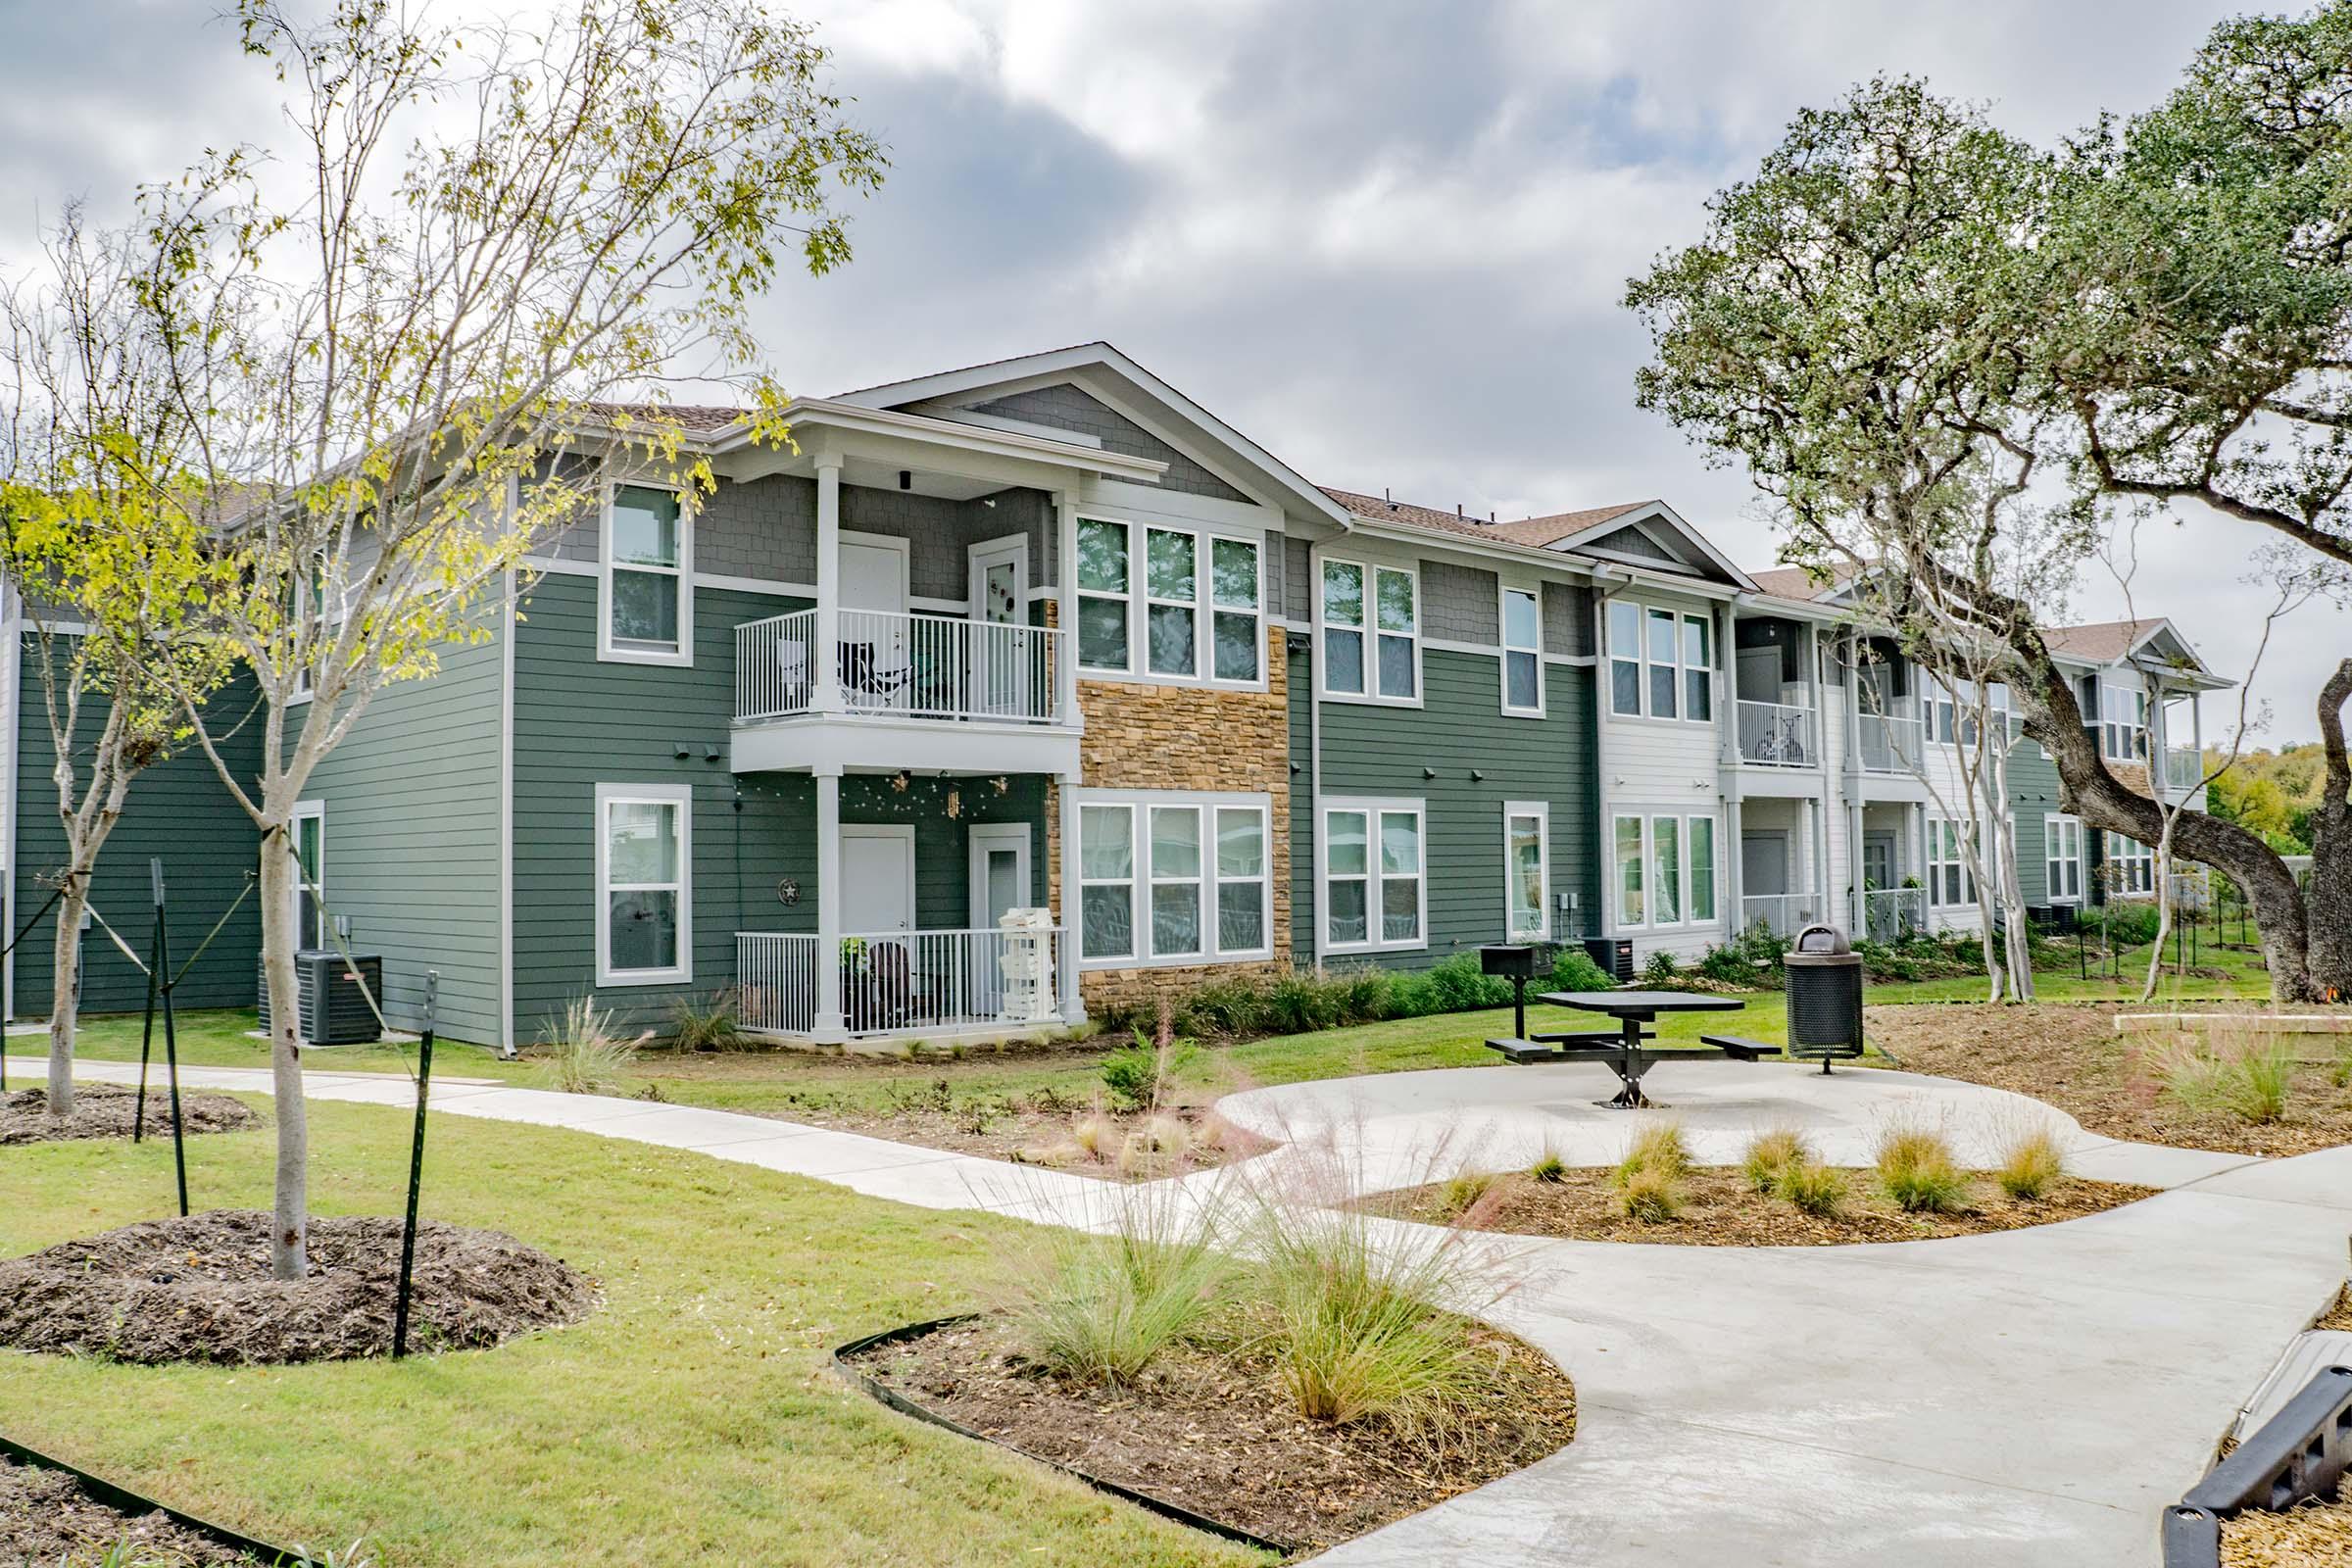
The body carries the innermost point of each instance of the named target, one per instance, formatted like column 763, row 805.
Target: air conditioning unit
column 1615, row 958
column 334, row 1010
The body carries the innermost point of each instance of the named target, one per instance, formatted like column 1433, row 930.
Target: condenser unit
column 334, row 1011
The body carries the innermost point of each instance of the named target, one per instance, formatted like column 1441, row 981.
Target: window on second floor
column 1661, row 663
column 1371, row 632
column 1198, row 617
column 648, row 577
column 1522, row 652
column 2123, row 723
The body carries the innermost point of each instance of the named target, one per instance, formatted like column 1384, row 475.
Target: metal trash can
column 1824, row 981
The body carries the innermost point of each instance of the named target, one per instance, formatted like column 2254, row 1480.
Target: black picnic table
column 1622, row 1052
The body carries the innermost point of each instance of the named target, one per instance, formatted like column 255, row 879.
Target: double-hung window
column 1526, row 870
column 647, row 571
column 1374, row 894
column 2062, row 855
column 1371, row 632
column 643, row 915
column 1661, row 663
column 2124, row 727
column 1948, row 881
column 1169, row 603
column 1522, row 652
column 309, row 830
column 1103, row 595
column 1942, row 715
column 2131, row 864
column 1664, row 869
column 1173, row 877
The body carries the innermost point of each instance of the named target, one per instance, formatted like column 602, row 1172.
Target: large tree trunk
column 289, row 1255
column 2102, row 801
column 2329, row 898
column 65, row 982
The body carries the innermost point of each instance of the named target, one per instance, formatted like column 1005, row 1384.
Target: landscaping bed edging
column 133, row 1506
column 882, row 1393
column 2303, row 1451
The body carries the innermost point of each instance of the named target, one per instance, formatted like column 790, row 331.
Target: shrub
column 2129, row 925
column 1461, row 983
column 1729, row 965
column 1652, row 1196
column 1105, row 1306
column 1660, row 969
column 1414, row 996
column 2030, row 1163
column 1235, row 1006
column 1302, row 1001
column 1659, row 1148
column 1358, row 1331
column 1140, row 1075
column 1772, row 1152
column 1363, row 995
column 1917, row 1168
column 1548, row 1167
column 1573, row 969
column 1811, row 1186
column 707, row 1024
column 583, row 1055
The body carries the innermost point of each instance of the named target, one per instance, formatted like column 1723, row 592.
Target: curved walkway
column 2031, row 1398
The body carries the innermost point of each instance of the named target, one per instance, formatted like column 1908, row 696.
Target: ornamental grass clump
column 1548, row 1167
column 1462, row 1191
column 1770, row 1153
column 1810, row 1186
column 1650, row 1194
column 1917, row 1169
column 1103, row 1306
column 1659, row 1147
column 2031, row 1164
column 2251, row 1079
column 582, row 1053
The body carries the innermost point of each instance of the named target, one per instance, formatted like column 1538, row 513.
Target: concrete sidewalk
column 2032, row 1397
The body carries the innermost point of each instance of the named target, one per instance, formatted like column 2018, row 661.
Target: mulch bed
column 2338, row 1316
column 1721, row 1209
column 1219, row 1436
column 1056, row 1134
column 47, row 1519
column 105, row 1110
column 2316, row 1535
column 2072, row 1057
column 200, row 1290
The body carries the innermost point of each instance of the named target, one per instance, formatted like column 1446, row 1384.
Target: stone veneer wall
column 1142, row 736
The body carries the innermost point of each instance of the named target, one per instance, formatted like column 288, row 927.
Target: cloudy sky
column 1387, row 240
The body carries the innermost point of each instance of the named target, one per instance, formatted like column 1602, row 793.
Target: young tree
column 415, row 383
column 102, row 542
column 1894, row 320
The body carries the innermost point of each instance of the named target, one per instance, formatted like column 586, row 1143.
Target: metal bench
column 1740, row 1049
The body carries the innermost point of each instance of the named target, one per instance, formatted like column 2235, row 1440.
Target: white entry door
column 877, row 878
column 1000, row 882
column 876, row 670
column 1000, row 673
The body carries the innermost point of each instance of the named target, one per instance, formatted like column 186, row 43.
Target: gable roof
column 1096, row 367
column 2102, row 642
column 1593, row 531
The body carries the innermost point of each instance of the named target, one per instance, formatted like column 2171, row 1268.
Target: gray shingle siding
column 1069, row 408
column 1298, row 581
column 1461, row 604
column 1567, row 619
column 765, row 530
column 1629, row 541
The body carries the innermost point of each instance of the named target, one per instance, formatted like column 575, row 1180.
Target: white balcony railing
column 1777, row 735
column 1889, row 745
column 1783, row 914
column 901, row 982
column 1889, row 914
column 2184, row 769
column 920, row 666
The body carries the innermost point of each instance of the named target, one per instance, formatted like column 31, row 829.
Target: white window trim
column 1540, row 810
column 1138, row 803
column 2133, row 723
column 1254, row 611
column 1138, row 600
column 606, row 650
column 1371, row 633
column 1938, row 864
column 308, row 810
column 682, row 797
column 1642, row 662
column 2049, row 856
column 1197, row 881
column 2139, row 854
column 1683, row 919
column 1502, row 634
column 1372, row 806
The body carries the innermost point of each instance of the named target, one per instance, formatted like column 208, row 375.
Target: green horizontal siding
column 178, row 810
column 1378, row 749
column 2032, row 794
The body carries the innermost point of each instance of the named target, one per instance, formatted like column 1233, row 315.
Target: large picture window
column 1665, row 872
column 648, row 577
column 2131, row 865
column 641, row 912
column 1526, row 870
column 1196, row 613
column 1522, row 652
column 1371, row 632
column 1168, row 876
column 2124, row 727
column 1661, row 663
column 1373, row 887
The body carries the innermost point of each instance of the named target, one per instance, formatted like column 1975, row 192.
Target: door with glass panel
column 999, row 884
column 1004, row 682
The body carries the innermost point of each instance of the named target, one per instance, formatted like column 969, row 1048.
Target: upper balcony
column 1889, row 744
column 1778, row 734
column 2184, row 769
column 977, row 695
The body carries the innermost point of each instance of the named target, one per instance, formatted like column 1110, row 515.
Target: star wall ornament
column 900, row 780
column 1004, row 784
column 955, row 804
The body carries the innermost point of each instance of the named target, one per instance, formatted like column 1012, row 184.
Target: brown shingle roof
column 2101, row 642
column 1798, row 583
column 1535, row 532
column 690, row 416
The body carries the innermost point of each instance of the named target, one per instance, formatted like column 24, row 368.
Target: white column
column 1071, row 914
column 828, row 1024
column 826, row 696
column 1066, row 608
column 1734, row 870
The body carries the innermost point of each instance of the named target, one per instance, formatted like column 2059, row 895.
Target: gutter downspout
column 1314, row 765
column 1603, row 923
column 12, row 642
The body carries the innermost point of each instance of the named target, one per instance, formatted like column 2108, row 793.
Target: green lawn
column 775, row 1082
column 691, row 1420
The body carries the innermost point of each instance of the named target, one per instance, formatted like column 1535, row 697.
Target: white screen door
column 875, row 669
column 1000, row 882
column 1002, row 645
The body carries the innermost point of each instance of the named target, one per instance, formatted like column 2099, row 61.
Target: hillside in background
column 2273, row 793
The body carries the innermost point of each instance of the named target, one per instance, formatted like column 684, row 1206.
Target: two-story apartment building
column 1029, row 687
